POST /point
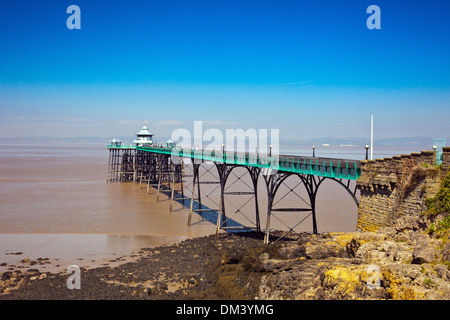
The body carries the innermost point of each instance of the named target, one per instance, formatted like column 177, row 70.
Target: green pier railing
column 325, row 167
column 121, row 146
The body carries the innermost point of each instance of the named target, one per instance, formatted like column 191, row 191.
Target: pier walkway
column 318, row 166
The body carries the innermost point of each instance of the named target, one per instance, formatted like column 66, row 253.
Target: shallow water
column 55, row 252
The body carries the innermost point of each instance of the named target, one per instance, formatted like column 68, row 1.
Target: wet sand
column 57, row 207
column 185, row 270
column 55, row 252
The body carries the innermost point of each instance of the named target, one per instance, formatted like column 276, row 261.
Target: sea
column 57, row 208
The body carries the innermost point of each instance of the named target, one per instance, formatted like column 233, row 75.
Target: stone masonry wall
column 446, row 157
column 392, row 187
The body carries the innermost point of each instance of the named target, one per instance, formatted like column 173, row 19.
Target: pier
column 182, row 172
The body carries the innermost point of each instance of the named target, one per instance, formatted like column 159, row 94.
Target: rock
column 299, row 282
column 407, row 222
column 446, row 252
column 6, row 275
column 405, row 236
column 371, row 236
column 364, row 249
column 292, row 251
column 424, row 252
column 343, row 282
column 352, row 247
column 164, row 286
column 443, row 272
column 374, row 256
column 271, row 265
column 419, row 237
column 406, row 272
column 387, row 231
column 403, row 256
column 386, row 251
column 386, row 246
column 310, row 294
column 264, row 256
column 410, row 281
column 324, row 250
column 304, row 281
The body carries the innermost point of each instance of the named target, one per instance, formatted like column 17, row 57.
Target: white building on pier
column 144, row 137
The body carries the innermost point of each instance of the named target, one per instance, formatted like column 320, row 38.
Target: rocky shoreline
column 402, row 262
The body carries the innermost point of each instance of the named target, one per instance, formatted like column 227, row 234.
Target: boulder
column 292, row 251
column 407, row 222
column 424, row 252
column 374, row 256
column 404, row 256
column 364, row 249
column 405, row 235
column 443, row 272
column 343, row 282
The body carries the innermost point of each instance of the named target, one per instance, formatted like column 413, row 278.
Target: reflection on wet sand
column 55, row 252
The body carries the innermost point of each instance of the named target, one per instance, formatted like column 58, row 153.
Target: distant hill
column 419, row 142
column 425, row 142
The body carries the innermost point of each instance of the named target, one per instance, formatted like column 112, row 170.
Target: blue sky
column 308, row 68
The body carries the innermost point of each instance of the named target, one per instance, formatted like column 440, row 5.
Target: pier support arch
column 311, row 184
column 225, row 171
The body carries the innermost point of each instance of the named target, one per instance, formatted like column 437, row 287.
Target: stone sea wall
column 397, row 186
